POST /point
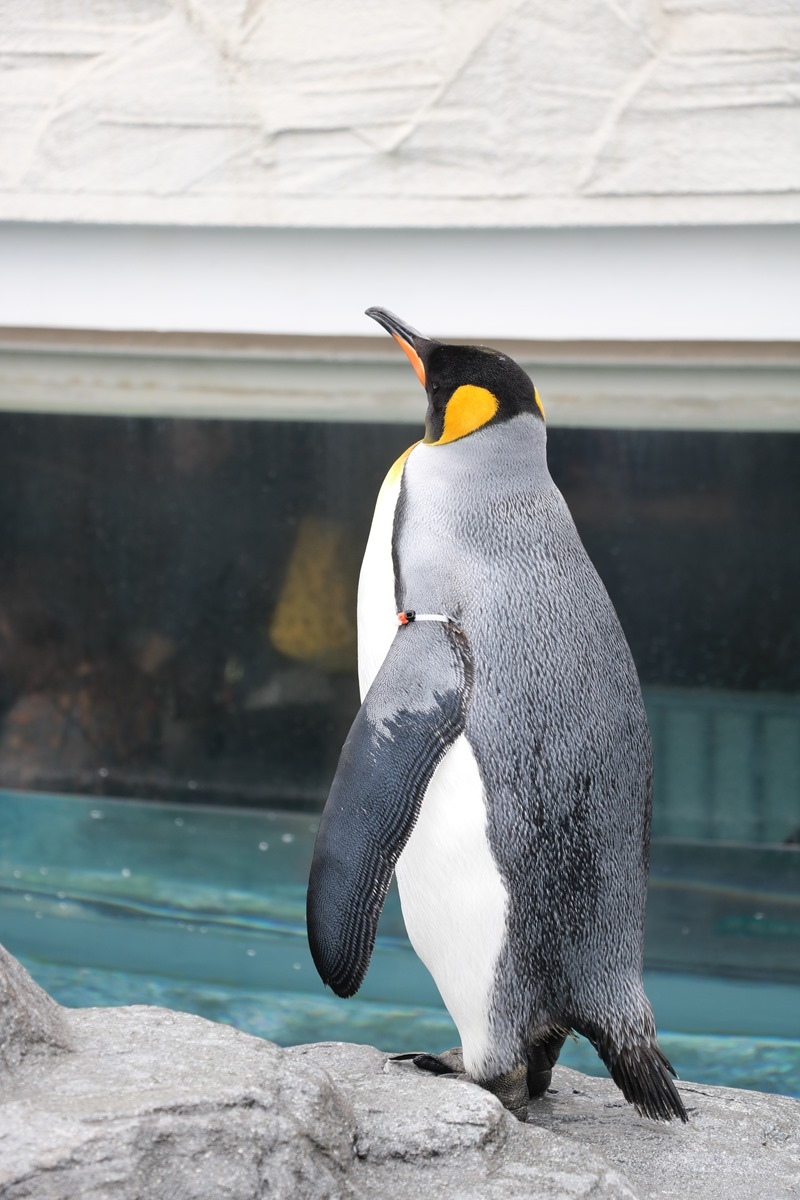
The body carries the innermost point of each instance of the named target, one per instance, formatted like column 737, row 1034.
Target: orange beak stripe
column 413, row 357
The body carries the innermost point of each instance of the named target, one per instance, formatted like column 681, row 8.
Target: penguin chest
column 453, row 898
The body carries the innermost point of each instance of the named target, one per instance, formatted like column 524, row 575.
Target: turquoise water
column 119, row 902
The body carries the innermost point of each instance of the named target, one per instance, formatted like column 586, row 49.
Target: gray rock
column 737, row 1145
column 153, row 1104
column 145, row 1104
column 432, row 1137
column 30, row 1021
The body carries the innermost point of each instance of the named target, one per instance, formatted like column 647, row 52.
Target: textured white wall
column 420, row 112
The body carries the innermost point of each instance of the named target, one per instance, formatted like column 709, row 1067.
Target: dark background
column 142, row 562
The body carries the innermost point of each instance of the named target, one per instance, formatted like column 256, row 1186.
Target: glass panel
column 177, row 606
column 177, row 603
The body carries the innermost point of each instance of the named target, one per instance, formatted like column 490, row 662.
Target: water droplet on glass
column 38, row 916
column 263, row 845
column 192, row 784
column 28, row 897
column 251, row 953
column 758, row 916
column 125, row 873
column 63, row 905
column 287, row 837
column 96, row 814
column 103, row 772
column 179, row 820
column 17, row 874
column 61, row 895
column 42, row 870
column 295, row 966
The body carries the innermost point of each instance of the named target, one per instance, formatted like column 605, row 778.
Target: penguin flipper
column 412, row 714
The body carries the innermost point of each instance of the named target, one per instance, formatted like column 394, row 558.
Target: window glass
column 177, row 606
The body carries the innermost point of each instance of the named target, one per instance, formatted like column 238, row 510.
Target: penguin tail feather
column 644, row 1076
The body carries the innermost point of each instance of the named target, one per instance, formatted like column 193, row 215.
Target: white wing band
column 409, row 616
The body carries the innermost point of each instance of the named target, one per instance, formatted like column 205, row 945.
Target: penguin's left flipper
column 412, row 714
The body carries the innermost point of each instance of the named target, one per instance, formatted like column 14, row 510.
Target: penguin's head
column 468, row 386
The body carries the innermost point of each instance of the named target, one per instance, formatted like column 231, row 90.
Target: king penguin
column 500, row 762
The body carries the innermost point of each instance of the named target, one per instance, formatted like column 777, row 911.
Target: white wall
column 724, row 284
column 598, row 169
column 373, row 113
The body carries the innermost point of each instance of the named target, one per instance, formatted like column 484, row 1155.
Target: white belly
column 453, row 898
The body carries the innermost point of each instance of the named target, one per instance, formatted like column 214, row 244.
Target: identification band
column 410, row 616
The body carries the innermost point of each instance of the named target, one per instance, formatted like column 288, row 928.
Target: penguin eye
column 434, row 387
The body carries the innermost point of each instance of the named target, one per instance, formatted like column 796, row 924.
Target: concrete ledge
column 614, row 384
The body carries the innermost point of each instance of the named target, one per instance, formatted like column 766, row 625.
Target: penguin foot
column 542, row 1057
column 511, row 1090
column 449, row 1062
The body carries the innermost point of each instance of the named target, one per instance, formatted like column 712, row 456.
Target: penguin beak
column 415, row 345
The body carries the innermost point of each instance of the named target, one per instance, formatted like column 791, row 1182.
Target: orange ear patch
column 413, row 357
column 539, row 404
column 468, row 409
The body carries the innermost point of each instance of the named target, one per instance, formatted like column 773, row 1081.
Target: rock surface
column 30, row 1022
column 142, row 1104
column 737, row 1144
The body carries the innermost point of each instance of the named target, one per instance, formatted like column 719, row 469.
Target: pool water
column 199, row 909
